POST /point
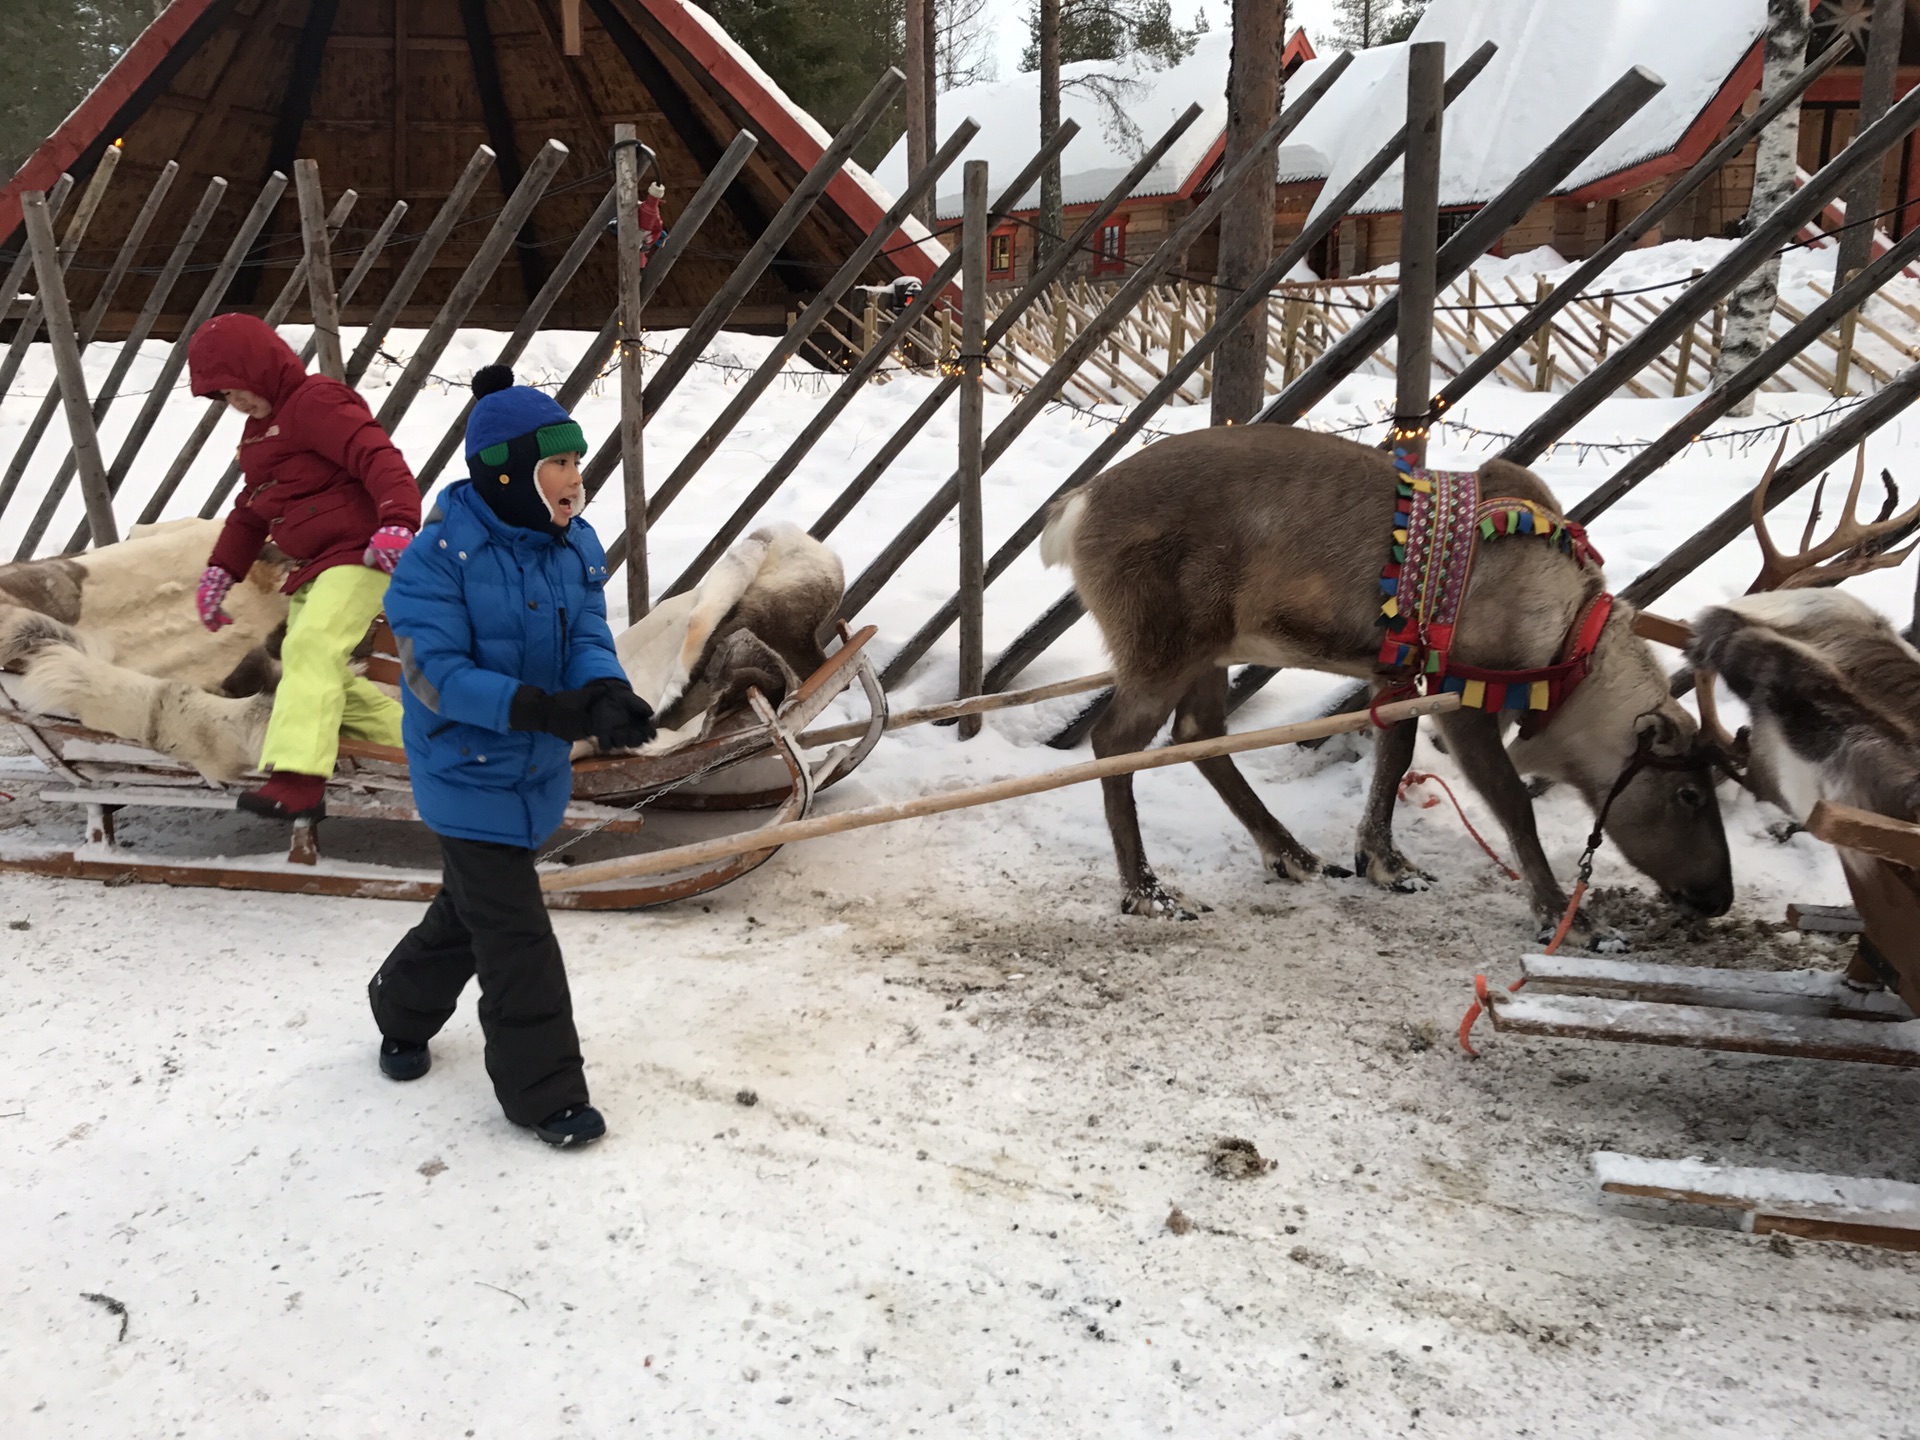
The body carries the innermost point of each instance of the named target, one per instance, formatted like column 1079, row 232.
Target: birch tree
column 1775, row 165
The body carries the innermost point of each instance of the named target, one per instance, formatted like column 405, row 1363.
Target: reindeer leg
column 1202, row 715
column 1128, row 725
column 1476, row 745
column 1375, row 855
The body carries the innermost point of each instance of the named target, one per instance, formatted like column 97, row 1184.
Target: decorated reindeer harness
column 1439, row 520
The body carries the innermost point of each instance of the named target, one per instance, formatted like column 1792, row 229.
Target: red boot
column 289, row 795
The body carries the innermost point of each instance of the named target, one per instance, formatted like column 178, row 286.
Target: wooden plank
column 1013, row 789
column 66, row 359
column 322, row 298
column 1857, row 1209
column 1753, row 1032
column 633, row 485
column 1785, row 992
column 1825, row 919
column 973, row 330
column 1879, row 835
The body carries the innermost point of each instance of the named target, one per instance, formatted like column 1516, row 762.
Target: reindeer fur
column 1834, row 694
column 1263, row 545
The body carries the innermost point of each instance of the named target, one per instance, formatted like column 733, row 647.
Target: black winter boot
column 400, row 1060
column 575, row 1125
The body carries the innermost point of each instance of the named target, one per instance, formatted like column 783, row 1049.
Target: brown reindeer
column 1263, row 545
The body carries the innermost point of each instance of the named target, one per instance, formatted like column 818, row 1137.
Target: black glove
column 605, row 710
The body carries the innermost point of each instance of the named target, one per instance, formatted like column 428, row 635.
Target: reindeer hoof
column 1302, row 867
column 1156, row 902
column 1393, row 871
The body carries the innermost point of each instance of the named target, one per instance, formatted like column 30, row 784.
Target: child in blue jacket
column 501, row 619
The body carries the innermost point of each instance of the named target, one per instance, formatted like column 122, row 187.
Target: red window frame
column 1110, row 247
column 995, row 249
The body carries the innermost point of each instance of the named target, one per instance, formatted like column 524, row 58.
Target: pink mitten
column 214, row 585
column 383, row 550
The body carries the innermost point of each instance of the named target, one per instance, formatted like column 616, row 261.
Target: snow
column 1553, row 61
column 978, row 1089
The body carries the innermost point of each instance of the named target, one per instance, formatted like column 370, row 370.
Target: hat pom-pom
column 491, row 379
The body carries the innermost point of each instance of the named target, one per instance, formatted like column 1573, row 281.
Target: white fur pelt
column 777, row 570
column 218, row 737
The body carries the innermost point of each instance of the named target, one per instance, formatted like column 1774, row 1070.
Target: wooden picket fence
column 1855, row 357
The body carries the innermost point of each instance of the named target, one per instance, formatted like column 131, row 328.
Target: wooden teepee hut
column 393, row 97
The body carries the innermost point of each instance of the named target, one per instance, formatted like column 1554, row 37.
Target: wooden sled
column 105, row 774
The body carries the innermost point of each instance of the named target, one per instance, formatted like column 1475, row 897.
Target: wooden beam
column 973, row 331
column 1854, row 1209
column 770, row 835
column 627, row 169
column 1878, row 835
column 322, row 298
column 570, row 25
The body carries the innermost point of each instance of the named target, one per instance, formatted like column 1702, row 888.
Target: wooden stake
column 579, row 876
column 973, row 330
column 16, row 276
column 1843, row 357
column 571, row 42
column 321, row 296
column 1419, row 239
column 1543, row 343
column 633, row 377
column 28, row 329
column 66, row 359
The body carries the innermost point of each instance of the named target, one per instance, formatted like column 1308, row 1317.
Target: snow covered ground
column 977, row 1092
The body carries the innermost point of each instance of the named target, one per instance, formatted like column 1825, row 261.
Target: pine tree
column 1362, row 24
column 52, row 53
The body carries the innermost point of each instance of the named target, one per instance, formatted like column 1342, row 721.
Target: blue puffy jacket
column 481, row 608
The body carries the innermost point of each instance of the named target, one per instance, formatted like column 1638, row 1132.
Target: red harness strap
column 1561, row 678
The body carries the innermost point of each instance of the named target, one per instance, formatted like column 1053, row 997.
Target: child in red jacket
column 326, row 485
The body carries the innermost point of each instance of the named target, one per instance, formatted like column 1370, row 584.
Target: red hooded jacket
column 319, row 474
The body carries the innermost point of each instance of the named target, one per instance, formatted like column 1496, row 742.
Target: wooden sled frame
column 105, row 774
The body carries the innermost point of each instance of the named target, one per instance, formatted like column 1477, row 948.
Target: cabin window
column 1110, row 253
column 1000, row 253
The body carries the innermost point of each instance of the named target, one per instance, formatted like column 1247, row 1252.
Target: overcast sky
column 1008, row 23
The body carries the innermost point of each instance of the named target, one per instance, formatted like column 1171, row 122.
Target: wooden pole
column 633, row 376
column 16, row 276
column 973, row 331
column 1254, row 88
column 746, row 395
column 1504, row 345
column 680, row 235
column 215, row 409
column 1315, row 231
column 28, row 329
column 1720, row 400
column 176, row 361
column 323, row 300
column 361, row 268
column 1843, row 352
column 1588, row 131
column 531, row 320
column 948, row 710
column 768, row 837
column 1419, row 242
column 89, row 326
column 136, row 337
column 1877, row 80
column 761, row 254
column 1756, row 249
column 474, row 279
column 444, row 219
column 1121, row 305
column 66, row 360
column 919, row 64
column 1801, row 470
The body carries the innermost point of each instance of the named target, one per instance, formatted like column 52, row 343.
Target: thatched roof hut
column 392, row 97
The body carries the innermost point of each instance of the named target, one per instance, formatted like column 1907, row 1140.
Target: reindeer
column 1263, row 545
column 1833, row 690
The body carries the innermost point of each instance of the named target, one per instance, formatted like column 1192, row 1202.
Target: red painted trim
column 1299, row 49
column 774, row 122
column 1700, row 136
column 93, row 115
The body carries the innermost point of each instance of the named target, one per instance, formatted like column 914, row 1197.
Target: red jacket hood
column 240, row 352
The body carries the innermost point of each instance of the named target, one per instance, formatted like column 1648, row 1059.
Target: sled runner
column 751, row 758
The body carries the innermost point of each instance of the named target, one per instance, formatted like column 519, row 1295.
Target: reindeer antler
column 1853, row 548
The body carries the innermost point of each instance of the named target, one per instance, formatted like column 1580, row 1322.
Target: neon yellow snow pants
column 319, row 698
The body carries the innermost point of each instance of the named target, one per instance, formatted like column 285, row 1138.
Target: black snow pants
column 488, row 920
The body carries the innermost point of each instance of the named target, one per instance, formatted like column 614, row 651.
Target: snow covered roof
column 1554, row 60
column 1008, row 114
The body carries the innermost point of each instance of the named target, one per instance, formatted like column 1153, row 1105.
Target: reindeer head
column 1666, row 819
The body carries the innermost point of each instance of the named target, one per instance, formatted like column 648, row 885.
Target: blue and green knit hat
column 510, row 430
